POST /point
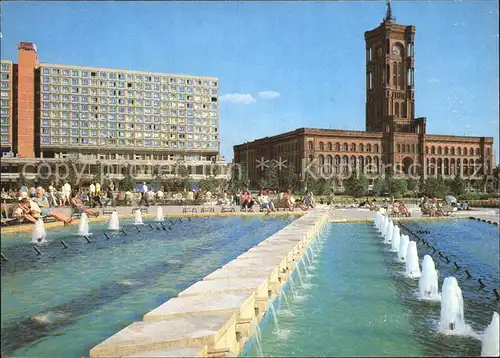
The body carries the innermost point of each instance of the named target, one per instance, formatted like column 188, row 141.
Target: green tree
column 380, row 187
column 288, row 178
column 239, row 178
column 457, row 186
column 356, row 185
column 434, row 187
column 399, row 187
column 270, row 177
column 128, row 182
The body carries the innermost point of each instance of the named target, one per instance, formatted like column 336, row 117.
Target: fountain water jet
column 283, row 294
column 258, row 337
column 395, row 239
column 305, row 267
column 307, row 256
column 138, row 218
column 292, row 286
column 385, row 226
column 114, row 222
column 83, row 225
column 452, row 307
column 412, row 266
column 273, row 311
column 39, row 232
column 428, row 282
column 159, row 214
column 403, row 247
column 490, row 346
column 389, row 232
column 300, row 275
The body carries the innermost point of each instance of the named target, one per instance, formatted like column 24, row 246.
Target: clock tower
column 390, row 103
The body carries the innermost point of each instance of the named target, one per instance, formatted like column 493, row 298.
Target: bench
column 227, row 210
column 189, row 210
column 75, row 214
column 49, row 219
column 108, row 211
column 143, row 210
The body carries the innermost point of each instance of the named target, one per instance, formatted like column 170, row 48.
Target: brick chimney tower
column 27, row 65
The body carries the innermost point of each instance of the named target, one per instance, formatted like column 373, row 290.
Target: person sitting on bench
column 22, row 210
column 246, row 200
column 78, row 206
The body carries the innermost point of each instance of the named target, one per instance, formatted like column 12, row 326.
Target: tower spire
column 388, row 14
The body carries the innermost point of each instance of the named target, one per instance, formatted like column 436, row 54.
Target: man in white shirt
column 91, row 193
column 66, row 189
column 144, row 194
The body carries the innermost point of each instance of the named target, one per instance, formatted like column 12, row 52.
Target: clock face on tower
column 395, row 50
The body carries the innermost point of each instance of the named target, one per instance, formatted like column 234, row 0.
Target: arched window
column 321, row 163
column 337, row 147
column 471, row 167
column 446, row 166
column 361, row 147
column 428, row 166
column 336, row 164
column 407, row 148
column 478, row 152
column 368, row 147
column 413, row 148
column 426, row 150
column 487, row 167
column 433, row 150
column 394, row 73
column 471, row 151
column 361, row 163
column 387, row 74
column 459, row 151
column 396, row 110
column 465, row 165
column 398, row 148
column 353, row 147
column 310, row 159
column 452, row 151
column 310, row 145
column 403, row 110
column 369, row 80
column 344, row 147
column 452, row 166
column 375, row 148
column 321, row 146
column 440, row 151
column 400, row 75
column 440, row 166
column 433, row 166
column 376, row 164
column 329, row 146
column 345, row 164
column 459, row 166
column 445, row 150
column 329, row 163
column 368, row 165
column 352, row 163
column 368, row 54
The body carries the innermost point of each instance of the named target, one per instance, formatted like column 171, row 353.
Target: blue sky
column 281, row 65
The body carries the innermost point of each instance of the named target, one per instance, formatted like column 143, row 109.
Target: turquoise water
column 356, row 302
column 65, row 301
column 348, row 306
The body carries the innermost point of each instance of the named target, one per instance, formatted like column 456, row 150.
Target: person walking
column 144, row 194
column 91, row 194
column 66, row 189
column 110, row 194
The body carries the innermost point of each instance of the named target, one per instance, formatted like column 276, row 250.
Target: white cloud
column 237, row 98
column 269, row 94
